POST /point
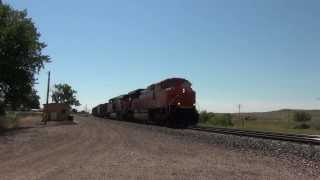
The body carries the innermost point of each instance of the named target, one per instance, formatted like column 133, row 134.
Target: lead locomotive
column 168, row 103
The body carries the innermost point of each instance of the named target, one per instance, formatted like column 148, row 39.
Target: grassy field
column 275, row 121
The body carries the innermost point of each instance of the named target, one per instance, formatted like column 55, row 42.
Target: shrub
column 302, row 116
column 2, row 111
column 221, row 120
column 8, row 121
column 250, row 118
column 204, row 116
column 302, row 126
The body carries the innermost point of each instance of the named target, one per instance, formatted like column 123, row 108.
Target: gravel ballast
column 105, row 149
column 267, row 146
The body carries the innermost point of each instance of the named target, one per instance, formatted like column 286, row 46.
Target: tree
column 63, row 93
column 21, row 55
column 302, row 117
column 2, row 112
column 32, row 100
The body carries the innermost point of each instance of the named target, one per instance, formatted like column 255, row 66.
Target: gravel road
column 105, row 149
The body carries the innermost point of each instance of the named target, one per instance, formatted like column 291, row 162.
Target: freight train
column 168, row 103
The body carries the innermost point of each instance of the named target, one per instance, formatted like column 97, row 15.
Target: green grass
column 279, row 127
column 275, row 121
column 274, row 126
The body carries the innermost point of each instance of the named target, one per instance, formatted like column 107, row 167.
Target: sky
column 261, row 54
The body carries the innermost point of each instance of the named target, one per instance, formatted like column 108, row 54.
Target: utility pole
column 239, row 106
column 48, row 88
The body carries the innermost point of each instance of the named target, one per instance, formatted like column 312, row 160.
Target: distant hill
column 280, row 115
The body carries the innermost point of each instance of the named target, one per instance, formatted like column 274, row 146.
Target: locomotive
column 170, row 103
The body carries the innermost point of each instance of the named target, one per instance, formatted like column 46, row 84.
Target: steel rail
column 304, row 139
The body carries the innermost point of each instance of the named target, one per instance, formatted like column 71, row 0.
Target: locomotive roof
column 170, row 80
column 118, row 97
column 135, row 91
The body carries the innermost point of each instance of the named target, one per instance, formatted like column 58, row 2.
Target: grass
column 11, row 119
column 274, row 126
column 275, row 121
column 279, row 127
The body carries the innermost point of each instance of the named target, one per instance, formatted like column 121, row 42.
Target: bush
column 221, row 120
column 204, row 116
column 8, row 121
column 302, row 126
column 215, row 119
column 250, row 118
column 302, row 116
column 2, row 108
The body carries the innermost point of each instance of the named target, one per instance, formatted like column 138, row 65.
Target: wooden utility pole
column 48, row 88
column 239, row 106
column 45, row 111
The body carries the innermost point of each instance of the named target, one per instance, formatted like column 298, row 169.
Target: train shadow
column 134, row 121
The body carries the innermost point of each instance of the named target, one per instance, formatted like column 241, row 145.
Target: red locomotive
column 168, row 103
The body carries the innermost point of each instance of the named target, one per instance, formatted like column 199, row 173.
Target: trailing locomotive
column 168, row 103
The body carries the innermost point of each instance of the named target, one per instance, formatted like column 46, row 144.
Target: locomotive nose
column 181, row 96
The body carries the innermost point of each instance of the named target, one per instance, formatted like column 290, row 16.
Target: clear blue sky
column 263, row 54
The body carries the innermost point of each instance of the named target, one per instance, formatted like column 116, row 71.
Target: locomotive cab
column 179, row 93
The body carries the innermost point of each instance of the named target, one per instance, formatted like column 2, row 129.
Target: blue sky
column 262, row 54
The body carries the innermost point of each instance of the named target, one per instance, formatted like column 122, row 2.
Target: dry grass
column 8, row 121
column 12, row 118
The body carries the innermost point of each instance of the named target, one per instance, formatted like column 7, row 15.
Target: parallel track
column 303, row 139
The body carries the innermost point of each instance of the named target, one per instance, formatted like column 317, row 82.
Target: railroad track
column 303, row 139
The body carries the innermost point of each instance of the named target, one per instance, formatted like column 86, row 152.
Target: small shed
column 56, row 112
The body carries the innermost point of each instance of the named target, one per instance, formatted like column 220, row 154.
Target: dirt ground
column 105, row 149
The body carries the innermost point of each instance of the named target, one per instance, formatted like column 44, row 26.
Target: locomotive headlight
column 184, row 90
column 179, row 103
